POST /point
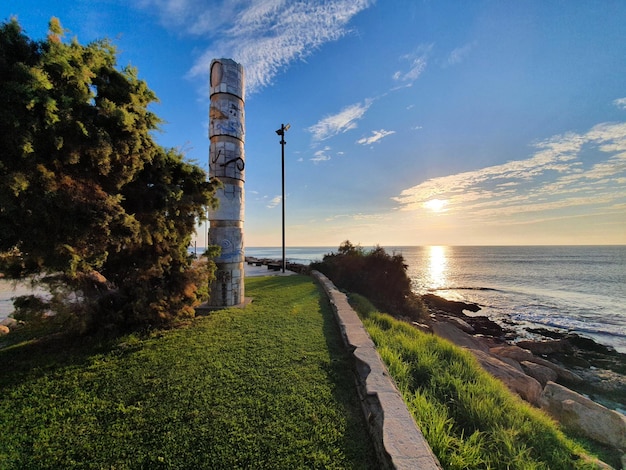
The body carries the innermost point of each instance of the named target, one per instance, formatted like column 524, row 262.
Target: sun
column 436, row 205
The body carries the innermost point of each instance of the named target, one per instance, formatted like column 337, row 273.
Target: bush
column 375, row 274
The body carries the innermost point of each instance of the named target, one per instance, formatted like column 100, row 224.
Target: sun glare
column 437, row 267
column 436, row 205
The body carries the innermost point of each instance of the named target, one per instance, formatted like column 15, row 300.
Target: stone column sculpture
column 227, row 164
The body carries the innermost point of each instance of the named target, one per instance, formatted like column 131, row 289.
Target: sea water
column 581, row 289
column 566, row 288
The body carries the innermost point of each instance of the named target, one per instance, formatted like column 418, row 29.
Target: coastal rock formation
column 525, row 386
column 520, row 355
column 532, row 368
column 439, row 303
column 538, row 372
column 447, row 330
column 578, row 412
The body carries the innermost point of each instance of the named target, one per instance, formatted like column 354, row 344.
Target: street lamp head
column 283, row 129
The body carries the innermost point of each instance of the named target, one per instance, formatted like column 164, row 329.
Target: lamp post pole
column 281, row 133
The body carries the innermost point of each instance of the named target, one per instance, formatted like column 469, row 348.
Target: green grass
column 268, row 386
column 470, row 420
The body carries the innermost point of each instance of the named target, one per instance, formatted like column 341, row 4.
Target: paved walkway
column 255, row 271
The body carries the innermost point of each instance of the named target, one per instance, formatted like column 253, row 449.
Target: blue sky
column 412, row 122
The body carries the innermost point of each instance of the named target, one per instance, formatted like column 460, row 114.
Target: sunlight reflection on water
column 437, row 267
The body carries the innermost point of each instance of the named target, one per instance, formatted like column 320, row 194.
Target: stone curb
column 398, row 441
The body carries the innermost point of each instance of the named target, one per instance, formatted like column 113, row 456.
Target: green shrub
column 381, row 277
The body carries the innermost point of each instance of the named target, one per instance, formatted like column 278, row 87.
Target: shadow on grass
column 28, row 358
column 341, row 372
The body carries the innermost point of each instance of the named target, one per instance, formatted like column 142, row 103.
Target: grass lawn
column 469, row 418
column 268, row 386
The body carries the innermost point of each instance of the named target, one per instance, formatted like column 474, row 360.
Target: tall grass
column 266, row 387
column 469, row 419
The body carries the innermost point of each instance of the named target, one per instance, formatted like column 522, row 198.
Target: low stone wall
column 398, row 441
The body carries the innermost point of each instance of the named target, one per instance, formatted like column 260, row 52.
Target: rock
column 10, row 322
column 588, row 344
column 584, row 415
column 484, row 326
column 543, row 374
column 572, row 360
column 450, row 306
column 454, row 335
column 520, row 355
column 458, row 322
column 513, row 352
column 512, row 363
column 422, row 327
column 554, row 334
column 526, row 387
column 4, row 330
column 545, row 347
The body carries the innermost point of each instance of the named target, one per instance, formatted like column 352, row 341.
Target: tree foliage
column 375, row 274
column 86, row 194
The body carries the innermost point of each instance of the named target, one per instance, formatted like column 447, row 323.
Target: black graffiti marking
column 239, row 162
column 216, row 157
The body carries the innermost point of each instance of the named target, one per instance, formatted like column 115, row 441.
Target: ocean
column 581, row 289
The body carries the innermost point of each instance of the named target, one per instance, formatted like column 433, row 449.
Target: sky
column 412, row 122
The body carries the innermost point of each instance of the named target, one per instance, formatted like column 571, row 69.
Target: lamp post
column 281, row 133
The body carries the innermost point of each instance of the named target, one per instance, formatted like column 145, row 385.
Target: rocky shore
column 579, row 382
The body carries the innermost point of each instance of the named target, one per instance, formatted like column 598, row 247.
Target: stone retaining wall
column 399, row 442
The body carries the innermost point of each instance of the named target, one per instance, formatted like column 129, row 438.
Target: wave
column 492, row 289
column 569, row 324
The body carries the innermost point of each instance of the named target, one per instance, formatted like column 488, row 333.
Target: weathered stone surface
column 578, row 412
column 458, row 322
column 525, row 386
column 520, row 355
column 9, row 322
column 512, row 362
column 399, row 442
column 545, row 347
column 454, row 335
column 514, row 352
column 542, row 373
column 452, row 306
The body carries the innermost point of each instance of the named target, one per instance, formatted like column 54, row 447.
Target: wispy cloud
column 459, row 54
column 263, row 35
column 274, row 202
column 321, row 155
column 343, row 121
column 585, row 170
column 620, row 103
column 417, row 64
column 375, row 137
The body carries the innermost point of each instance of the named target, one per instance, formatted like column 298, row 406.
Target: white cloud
column 417, row 64
column 321, row 155
column 459, row 54
column 569, row 170
column 620, row 103
column 341, row 122
column 274, row 202
column 375, row 137
column 265, row 36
